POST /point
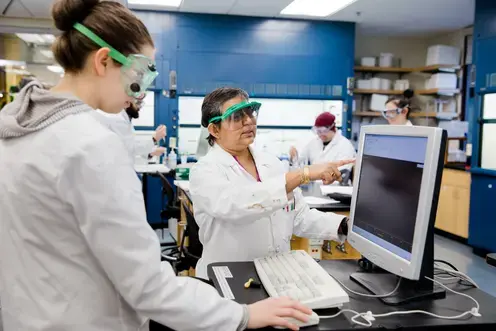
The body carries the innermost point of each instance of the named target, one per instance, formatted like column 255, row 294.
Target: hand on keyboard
column 275, row 312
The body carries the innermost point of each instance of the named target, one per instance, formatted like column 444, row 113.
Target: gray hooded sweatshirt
column 76, row 250
column 35, row 108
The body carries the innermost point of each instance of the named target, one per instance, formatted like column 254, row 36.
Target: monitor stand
column 409, row 290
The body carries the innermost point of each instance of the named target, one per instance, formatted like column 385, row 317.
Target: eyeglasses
column 391, row 113
column 321, row 130
column 233, row 117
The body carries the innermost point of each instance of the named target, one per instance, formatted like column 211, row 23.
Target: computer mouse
column 313, row 320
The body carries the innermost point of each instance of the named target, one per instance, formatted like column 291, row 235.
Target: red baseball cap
column 325, row 120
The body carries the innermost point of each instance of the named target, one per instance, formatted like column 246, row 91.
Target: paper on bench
column 329, row 189
column 319, row 201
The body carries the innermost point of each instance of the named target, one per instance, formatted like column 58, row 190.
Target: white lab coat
column 338, row 149
column 241, row 219
column 122, row 125
column 408, row 123
column 76, row 251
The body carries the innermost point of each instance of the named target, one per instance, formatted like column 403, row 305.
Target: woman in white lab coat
column 328, row 145
column 398, row 109
column 245, row 205
column 76, row 251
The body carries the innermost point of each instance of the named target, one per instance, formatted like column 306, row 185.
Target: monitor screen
column 388, row 193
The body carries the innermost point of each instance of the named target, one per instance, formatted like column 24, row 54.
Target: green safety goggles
column 234, row 115
column 138, row 71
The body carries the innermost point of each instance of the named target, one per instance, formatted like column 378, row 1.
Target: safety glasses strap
column 115, row 54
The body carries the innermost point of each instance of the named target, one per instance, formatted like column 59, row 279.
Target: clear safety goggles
column 234, row 116
column 137, row 72
column 391, row 113
column 322, row 130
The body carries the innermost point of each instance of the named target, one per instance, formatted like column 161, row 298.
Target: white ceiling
column 376, row 17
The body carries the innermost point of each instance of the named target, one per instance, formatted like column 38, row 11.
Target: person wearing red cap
column 328, row 146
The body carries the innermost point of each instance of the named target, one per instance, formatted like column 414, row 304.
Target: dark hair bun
column 66, row 13
column 408, row 94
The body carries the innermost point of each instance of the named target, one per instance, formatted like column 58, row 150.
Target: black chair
column 172, row 209
column 183, row 258
column 193, row 252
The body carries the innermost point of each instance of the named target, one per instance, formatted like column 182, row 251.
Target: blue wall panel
column 482, row 226
column 266, row 57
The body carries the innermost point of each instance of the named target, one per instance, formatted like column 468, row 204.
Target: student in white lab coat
column 398, row 109
column 328, row 145
column 245, row 205
column 76, row 251
column 122, row 125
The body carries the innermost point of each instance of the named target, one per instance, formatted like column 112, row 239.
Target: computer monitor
column 393, row 208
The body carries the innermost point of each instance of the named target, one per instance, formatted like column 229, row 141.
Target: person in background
column 328, row 146
column 122, row 125
column 246, row 206
column 398, row 109
column 76, row 250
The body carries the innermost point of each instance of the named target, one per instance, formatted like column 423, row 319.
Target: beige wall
column 411, row 51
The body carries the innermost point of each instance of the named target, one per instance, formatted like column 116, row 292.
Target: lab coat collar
column 223, row 157
column 333, row 142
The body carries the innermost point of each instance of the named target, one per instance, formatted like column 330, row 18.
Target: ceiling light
column 56, row 69
column 161, row 3
column 320, row 8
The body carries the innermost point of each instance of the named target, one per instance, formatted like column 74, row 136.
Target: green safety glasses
column 138, row 71
column 234, row 115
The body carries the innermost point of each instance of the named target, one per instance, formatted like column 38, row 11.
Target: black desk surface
column 313, row 189
column 451, row 306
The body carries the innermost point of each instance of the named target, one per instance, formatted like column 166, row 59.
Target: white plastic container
column 375, row 83
column 172, row 160
column 184, row 159
column 442, row 81
column 385, row 84
column 455, row 129
column 386, row 60
column 364, row 84
column 378, row 102
column 368, row 61
column 401, row 85
column 442, row 54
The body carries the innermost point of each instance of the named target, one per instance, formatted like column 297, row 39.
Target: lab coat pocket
column 288, row 217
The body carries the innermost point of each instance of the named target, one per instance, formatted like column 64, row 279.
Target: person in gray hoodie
column 76, row 251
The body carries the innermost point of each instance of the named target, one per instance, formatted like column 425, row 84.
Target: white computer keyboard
column 297, row 275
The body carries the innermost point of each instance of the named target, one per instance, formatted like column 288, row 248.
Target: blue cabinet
column 482, row 227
